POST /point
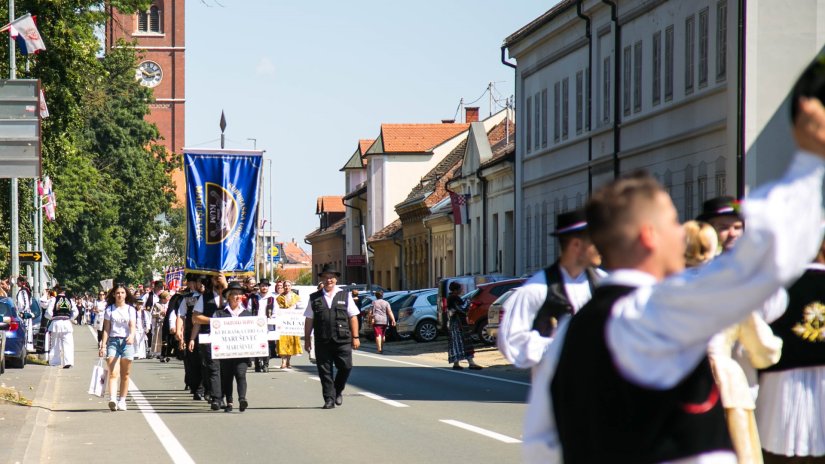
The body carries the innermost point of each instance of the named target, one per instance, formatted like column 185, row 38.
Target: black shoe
column 456, row 367
column 67, row 366
column 328, row 404
column 243, row 405
column 197, row 397
column 215, row 406
column 167, row 359
column 228, row 408
column 475, row 367
column 339, row 399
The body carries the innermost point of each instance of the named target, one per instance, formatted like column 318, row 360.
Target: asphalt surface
column 397, row 408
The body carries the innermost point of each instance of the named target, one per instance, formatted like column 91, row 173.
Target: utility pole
column 15, row 213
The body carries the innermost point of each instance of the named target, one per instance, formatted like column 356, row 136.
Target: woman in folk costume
column 753, row 334
column 158, row 312
column 288, row 345
column 143, row 327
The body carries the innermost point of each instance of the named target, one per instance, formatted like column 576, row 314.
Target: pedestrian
column 209, row 301
column 380, row 317
column 266, row 308
column 5, row 286
column 630, row 376
column 333, row 317
column 158, row 313
column 234, row 369
column 723, row 214
column 144, row 328
column 118, row 344
column 98, row 312
column 193, row 370
column 459, row 342
column 61, row 311
column 702, row 243
column 277, row 291
column 24, row 301
column 288, row 345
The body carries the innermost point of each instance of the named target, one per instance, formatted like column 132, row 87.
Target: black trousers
column 193, row 372
column 211, row 372
column 234, row 369
column 327, row 354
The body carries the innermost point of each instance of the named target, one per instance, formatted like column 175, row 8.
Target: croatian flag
column 24, row 31
column 459, row 204
column 47, row 198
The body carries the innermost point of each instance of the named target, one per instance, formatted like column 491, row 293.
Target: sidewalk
column 436, row 351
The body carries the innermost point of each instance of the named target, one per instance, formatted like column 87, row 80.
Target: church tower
column 160, row 42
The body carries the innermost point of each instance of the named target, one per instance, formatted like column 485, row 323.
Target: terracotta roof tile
column 329, row 204
column 364, row 145
column 295, row 253
column 386, row 232
column 417, row 138
column 447, row 166
column 500, row 145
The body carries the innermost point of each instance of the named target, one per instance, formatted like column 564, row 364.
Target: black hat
column 233, row 286
column 719, row 206
column 329, row 269
column 572, row 221
column 263, row 282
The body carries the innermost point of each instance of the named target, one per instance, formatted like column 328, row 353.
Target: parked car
column 480, row 300
column 495, row 313
column 363, row 288
column 395, row 299
column 15, row 346
column 417, row 316
column 468, row 284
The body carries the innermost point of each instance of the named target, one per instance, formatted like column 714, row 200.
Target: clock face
column 149, row 74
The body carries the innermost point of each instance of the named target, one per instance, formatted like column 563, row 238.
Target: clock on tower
column 159, row 36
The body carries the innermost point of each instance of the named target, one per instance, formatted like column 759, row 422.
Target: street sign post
column 30, row 256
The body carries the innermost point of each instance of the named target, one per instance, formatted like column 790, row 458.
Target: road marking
column 315, row 378
column 445, row 369
column 479, row 430
column 383, row 400
column 171, row 444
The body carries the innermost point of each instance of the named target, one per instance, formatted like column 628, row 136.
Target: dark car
column 480, row 300
column 15, row 346
column 396, row 301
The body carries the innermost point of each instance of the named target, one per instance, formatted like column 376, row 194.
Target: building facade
column 328, row 241
column 674, row 87
column 159, row 36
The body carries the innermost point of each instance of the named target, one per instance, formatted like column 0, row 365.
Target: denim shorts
column 116, row 347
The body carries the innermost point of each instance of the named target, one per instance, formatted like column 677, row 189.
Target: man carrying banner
column 209, row 302
column 332, row 314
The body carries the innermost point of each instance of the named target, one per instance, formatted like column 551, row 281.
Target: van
column 468, row 284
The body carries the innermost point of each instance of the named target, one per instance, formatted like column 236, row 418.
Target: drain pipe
column 617, row 69
column 484, row 220
column 740, row 100
column 589, row 82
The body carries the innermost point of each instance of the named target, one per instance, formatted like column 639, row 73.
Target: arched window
column 143, row 21
column 149, row 21
column 154, row 19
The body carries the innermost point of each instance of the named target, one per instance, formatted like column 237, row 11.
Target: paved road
column 396, row 409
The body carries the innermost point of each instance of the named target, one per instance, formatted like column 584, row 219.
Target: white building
column 689, row 98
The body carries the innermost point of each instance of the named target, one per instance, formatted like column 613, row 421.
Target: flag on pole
column 47, row 198
column 459, row 204
column 44, row 110
column 25, row 33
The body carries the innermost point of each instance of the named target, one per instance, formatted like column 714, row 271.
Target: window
column 637, row 77
column 154, row 19
column 721, row 187
column 587, row 102
column 690, row 34
column 556, row 111
column 528, row 240
column 543, row 118
column 689, row 192
column 579, row 101
column 565, row 107
column 606, row 90
column 528, row 110
column 626, row 83
column 721, row 39
column 669, row 63
column 538, row 120
column 703, row 48
column 539, row 239
column 702, row 187
column 543, row 235
column 143, row 21
column 657, row 67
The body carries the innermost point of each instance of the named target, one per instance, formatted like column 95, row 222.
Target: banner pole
column 15, row 212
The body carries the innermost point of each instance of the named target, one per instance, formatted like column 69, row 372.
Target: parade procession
column 620, row 259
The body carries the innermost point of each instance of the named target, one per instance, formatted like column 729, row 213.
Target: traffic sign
column 30, row 256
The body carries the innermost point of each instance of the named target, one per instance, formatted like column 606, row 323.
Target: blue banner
column 221, row 210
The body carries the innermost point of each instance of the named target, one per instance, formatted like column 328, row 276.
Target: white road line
column 479, row 430
column 171, row 444
column 315, row 378
column 383, row 400
column 445, row 369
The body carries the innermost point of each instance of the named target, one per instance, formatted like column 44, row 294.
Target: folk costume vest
column 209, row 308
column 802, row 327
column 331, row 323
column 602, row 417
column 62, row 308
column 557, row 303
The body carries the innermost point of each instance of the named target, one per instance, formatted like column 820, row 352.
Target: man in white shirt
column 630, row 381
column 62, row 311
column 333, row 316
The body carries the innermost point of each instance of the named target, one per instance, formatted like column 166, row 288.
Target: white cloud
column 265, row 67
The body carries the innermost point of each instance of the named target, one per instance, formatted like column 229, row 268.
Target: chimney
column 470, row 114
column 448, row 121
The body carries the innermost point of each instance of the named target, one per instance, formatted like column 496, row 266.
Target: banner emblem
column 222, row 217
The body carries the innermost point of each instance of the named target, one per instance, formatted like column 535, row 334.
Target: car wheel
column 482, row 334
column 426, row 331
column 18, row 363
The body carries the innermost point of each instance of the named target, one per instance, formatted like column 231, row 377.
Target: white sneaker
column 121, row 405
column 112, row 405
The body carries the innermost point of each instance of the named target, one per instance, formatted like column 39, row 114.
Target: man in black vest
column 332, row 315
column 631, row 380
column 209, row 302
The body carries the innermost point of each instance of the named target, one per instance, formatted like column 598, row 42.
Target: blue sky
column 307, row 79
